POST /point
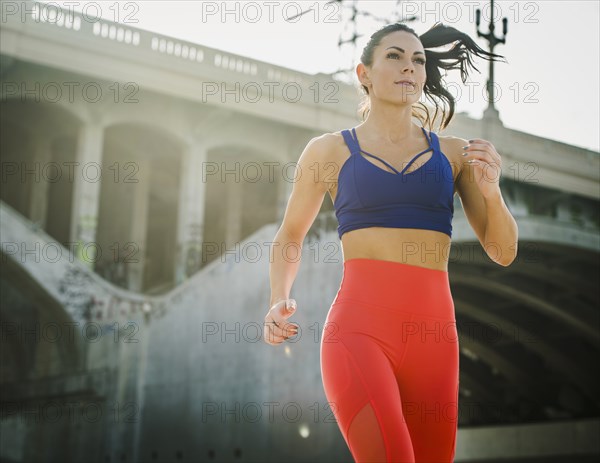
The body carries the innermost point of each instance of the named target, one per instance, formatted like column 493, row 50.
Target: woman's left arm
column 501, row 232
column 484, row 206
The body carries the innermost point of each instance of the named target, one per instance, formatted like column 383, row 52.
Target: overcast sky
column 549, row 86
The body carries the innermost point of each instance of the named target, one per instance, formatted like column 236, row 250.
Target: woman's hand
column 276, row 328
column 487, row 165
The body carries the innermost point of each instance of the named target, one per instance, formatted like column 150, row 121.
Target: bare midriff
column 424, row 248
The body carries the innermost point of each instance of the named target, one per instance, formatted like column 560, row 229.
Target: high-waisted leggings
column 390, row 361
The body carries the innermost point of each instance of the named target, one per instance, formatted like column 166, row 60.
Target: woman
column 389, row 351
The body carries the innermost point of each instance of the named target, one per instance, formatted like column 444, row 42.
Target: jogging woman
column 389, row 351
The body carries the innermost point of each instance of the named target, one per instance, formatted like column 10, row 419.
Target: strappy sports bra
column 369, row 196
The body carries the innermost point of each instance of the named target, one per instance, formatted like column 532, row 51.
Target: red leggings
column 389, row 362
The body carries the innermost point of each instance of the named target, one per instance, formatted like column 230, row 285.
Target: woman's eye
column 396, row 55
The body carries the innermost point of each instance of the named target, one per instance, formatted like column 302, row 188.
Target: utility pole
column 353, row 21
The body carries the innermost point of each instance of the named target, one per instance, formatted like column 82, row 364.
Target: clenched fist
column 276, row 328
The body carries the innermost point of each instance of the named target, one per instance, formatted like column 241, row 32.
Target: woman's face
column 399, row 56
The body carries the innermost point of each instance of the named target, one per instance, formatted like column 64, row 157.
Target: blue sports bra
column 369, row 196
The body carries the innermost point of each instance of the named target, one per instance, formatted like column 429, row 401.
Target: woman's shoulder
column 452, row 147
column 327, row 146
column 451, row 143
column 331, row 139
column 324, row 154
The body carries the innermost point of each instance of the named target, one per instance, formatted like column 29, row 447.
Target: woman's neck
column 393, row 125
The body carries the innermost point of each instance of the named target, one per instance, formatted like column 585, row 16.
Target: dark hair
column 458, row 57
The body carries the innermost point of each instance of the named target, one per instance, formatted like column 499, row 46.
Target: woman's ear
column 363, row 75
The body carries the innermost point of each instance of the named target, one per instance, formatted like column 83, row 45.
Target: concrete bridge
column 143, row 178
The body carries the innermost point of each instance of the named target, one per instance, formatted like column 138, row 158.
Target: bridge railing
column 81, row 30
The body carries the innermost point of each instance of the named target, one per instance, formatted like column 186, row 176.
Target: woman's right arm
column 303, row 205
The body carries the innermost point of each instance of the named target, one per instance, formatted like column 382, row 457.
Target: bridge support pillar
column 139, row 226
column 38, row 199
column 233, row 214
column 191, row 212
column 86, row 191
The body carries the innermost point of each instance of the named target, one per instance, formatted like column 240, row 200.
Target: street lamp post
column 491, row 111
